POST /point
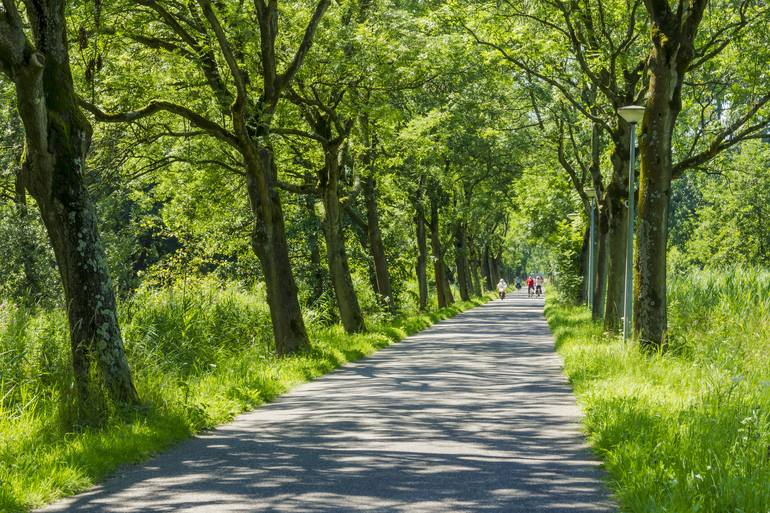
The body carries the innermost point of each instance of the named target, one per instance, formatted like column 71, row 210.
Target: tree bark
column 461, row 260
column 313, row 245
column 377, row 247
column 617, row 229
column 486, row 269
column 600, row 278
column 339, row 270
column 57, row 142
column 650, row 320
column 422, row 253
column 439, row 267
column 494, row 269
column 673, row 37
column 474, row 264
column 271, row 247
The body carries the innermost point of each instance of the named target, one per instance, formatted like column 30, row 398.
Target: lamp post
column 591, row 195
column 632, row 114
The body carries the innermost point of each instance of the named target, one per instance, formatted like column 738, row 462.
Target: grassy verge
column 198, row 361
column 688, row 431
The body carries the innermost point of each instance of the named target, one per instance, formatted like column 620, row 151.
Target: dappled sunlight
column 471, row 415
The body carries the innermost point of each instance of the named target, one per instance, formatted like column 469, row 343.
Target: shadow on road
column 472, row 415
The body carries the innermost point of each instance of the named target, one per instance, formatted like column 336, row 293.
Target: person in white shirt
column 501, row 286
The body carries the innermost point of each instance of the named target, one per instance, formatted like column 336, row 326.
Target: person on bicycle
column 501, row 286
column 530, row 286
column 518, row 283
column 539, row 285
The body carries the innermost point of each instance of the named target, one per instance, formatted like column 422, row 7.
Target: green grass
column 689, row 430
column 200, row 356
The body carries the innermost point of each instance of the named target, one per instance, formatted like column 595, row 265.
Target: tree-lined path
column 472, row 415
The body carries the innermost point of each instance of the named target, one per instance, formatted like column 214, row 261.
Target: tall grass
column 688, row 430
column 200, row 352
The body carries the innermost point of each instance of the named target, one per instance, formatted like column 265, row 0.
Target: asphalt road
column 472, row 415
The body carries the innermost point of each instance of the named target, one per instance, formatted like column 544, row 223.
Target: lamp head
column 631, row 113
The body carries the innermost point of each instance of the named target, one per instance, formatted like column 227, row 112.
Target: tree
column 216, row 51
column 57, row 140
column 677, row 52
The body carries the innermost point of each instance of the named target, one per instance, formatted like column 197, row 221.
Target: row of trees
column 335, row 151
column 257, row 133
column 699, row 69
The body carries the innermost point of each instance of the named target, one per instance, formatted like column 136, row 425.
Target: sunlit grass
column 199, row 359
column 689, row 430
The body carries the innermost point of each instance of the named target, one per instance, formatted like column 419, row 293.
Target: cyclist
column 539, row 285
column 501, row 286
column 530, row 286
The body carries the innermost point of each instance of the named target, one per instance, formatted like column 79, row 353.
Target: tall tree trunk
column 450, row 298
column 461, row 260
column 583, row 264
column 650, row 320
column 600, row 277
column 271, row 247
column 486, row 269
column 339, row 270
column 313, row 245
column 617, row 230
column 439, row 266
column 494, row 268
column 377, row 247
column 422, row 254
column 673, row 37
column 474, row 271
column 57, row 142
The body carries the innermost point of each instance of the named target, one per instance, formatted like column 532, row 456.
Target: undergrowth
column 688, row 430
column 200, row 355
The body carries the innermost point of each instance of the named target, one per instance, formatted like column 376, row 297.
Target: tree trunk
column 384, row 289
column 57, row 142
column 339, row 270
column 494, row 269
column 439, row 267
column 583, row 264
column 422, row 255
column 461, row 260
column 313, row 245
column 617, row 229
column 474, row 264
column 271, row 247
column 650, row 322
column 486, row 269
column 600, row 277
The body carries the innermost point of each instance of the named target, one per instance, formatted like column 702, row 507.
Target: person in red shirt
column 530, row 286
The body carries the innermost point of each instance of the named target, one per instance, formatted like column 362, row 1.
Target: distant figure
column 501, row 286
column 530, row 286
column 518, row 283
column 539, row 286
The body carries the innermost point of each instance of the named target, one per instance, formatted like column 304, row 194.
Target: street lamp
column 632, row 114
column 591, row 195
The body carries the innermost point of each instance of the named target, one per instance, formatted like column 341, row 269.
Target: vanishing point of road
column 471, row 415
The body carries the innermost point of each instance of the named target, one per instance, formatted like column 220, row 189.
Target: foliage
column 687, row 430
